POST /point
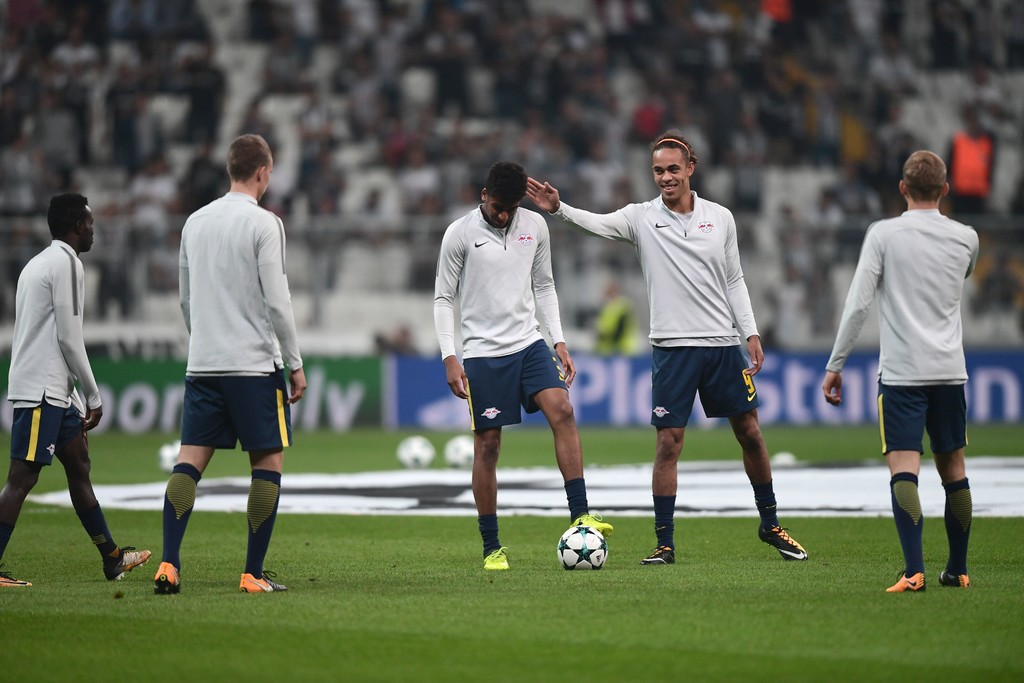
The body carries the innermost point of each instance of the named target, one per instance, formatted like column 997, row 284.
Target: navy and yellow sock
column 664, row 520
column 95, row 525
column 959, row 513
column 179, row 499
column 906, row 510
column 488, row 525
column 576, row 495
column 764, row 498
column 261, row 513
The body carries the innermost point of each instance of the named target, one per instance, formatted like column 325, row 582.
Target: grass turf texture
column 404, row 598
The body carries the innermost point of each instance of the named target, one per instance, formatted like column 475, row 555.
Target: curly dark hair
column 506, row 182
column 64, row 212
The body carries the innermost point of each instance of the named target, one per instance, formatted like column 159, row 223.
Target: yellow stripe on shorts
column 33, row 439
column 472, row 415
column 881, row 423
column 281, row 423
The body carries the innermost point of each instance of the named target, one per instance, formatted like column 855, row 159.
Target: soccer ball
column 167, row 456
column 415, row 452
column 582, row 547
column 458, row 452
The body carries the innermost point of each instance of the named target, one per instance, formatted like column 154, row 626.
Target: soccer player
column 916, row 264
column 690, row 261
column 497, row 261
column 237, row 307
column 47, row 358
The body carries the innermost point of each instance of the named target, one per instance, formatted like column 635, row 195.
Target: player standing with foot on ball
column 690, row 261
column 916, row 264
column 237, row 307
column 497, row 261
column 47, row 358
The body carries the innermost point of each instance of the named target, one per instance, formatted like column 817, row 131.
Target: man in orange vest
column 971, row 160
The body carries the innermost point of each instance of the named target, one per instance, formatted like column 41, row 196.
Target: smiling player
column 698, row 298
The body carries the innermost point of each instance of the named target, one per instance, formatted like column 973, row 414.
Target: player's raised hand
column 543, row 195
column 833, row 387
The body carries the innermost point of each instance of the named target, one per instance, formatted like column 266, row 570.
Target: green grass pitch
column 405, row 599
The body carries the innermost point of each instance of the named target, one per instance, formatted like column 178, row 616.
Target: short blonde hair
column 924, row 174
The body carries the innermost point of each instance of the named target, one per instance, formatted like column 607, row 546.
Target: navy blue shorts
column 679, row 372
column 499, row 386
column 904, row 413
column 37, row 433
column 221, row 410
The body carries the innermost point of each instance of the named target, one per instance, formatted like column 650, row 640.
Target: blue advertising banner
column 617, row 391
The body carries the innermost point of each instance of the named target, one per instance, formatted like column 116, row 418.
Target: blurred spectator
column 256, row 123
column 724, row 101
column 262, row 20
column 305, row 28
column 790, row 328
column 971, row 162
column 12, row 118
column 153, row 196
column 325, row 185
column 448, row 50
column 948, row 34
column 56, row 134
column 22, row 178
column 855, row 196
column 123, row 108
column 397, row 341
column 1000, row 299
column 1013, row 25
column 747, row 155
column 204, row 181
column 283, row 71
column 418, row 178
column 129, row 20
column 825, row 120
column 892, row 74
column 76, row 51
column 203, row 82
column 990, row 100
column 616, row 324
column 599, row 175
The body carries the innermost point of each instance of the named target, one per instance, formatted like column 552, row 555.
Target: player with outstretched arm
column 700, row 312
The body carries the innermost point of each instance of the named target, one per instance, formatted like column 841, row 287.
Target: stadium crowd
column 387, row 114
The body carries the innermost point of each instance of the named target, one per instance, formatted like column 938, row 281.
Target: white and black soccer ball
column 167, row 455
column 582, row 547
column 458, row 452
column 415, row 452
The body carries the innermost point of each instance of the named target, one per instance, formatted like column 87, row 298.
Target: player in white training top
column 700, row 313
column 47, row 359
column 916, row 265
column 237, row 307
column 496, row 260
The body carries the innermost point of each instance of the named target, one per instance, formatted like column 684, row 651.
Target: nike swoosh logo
column 659, row 225
column 751, row 397
column 479, row 244
column 801, row 556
